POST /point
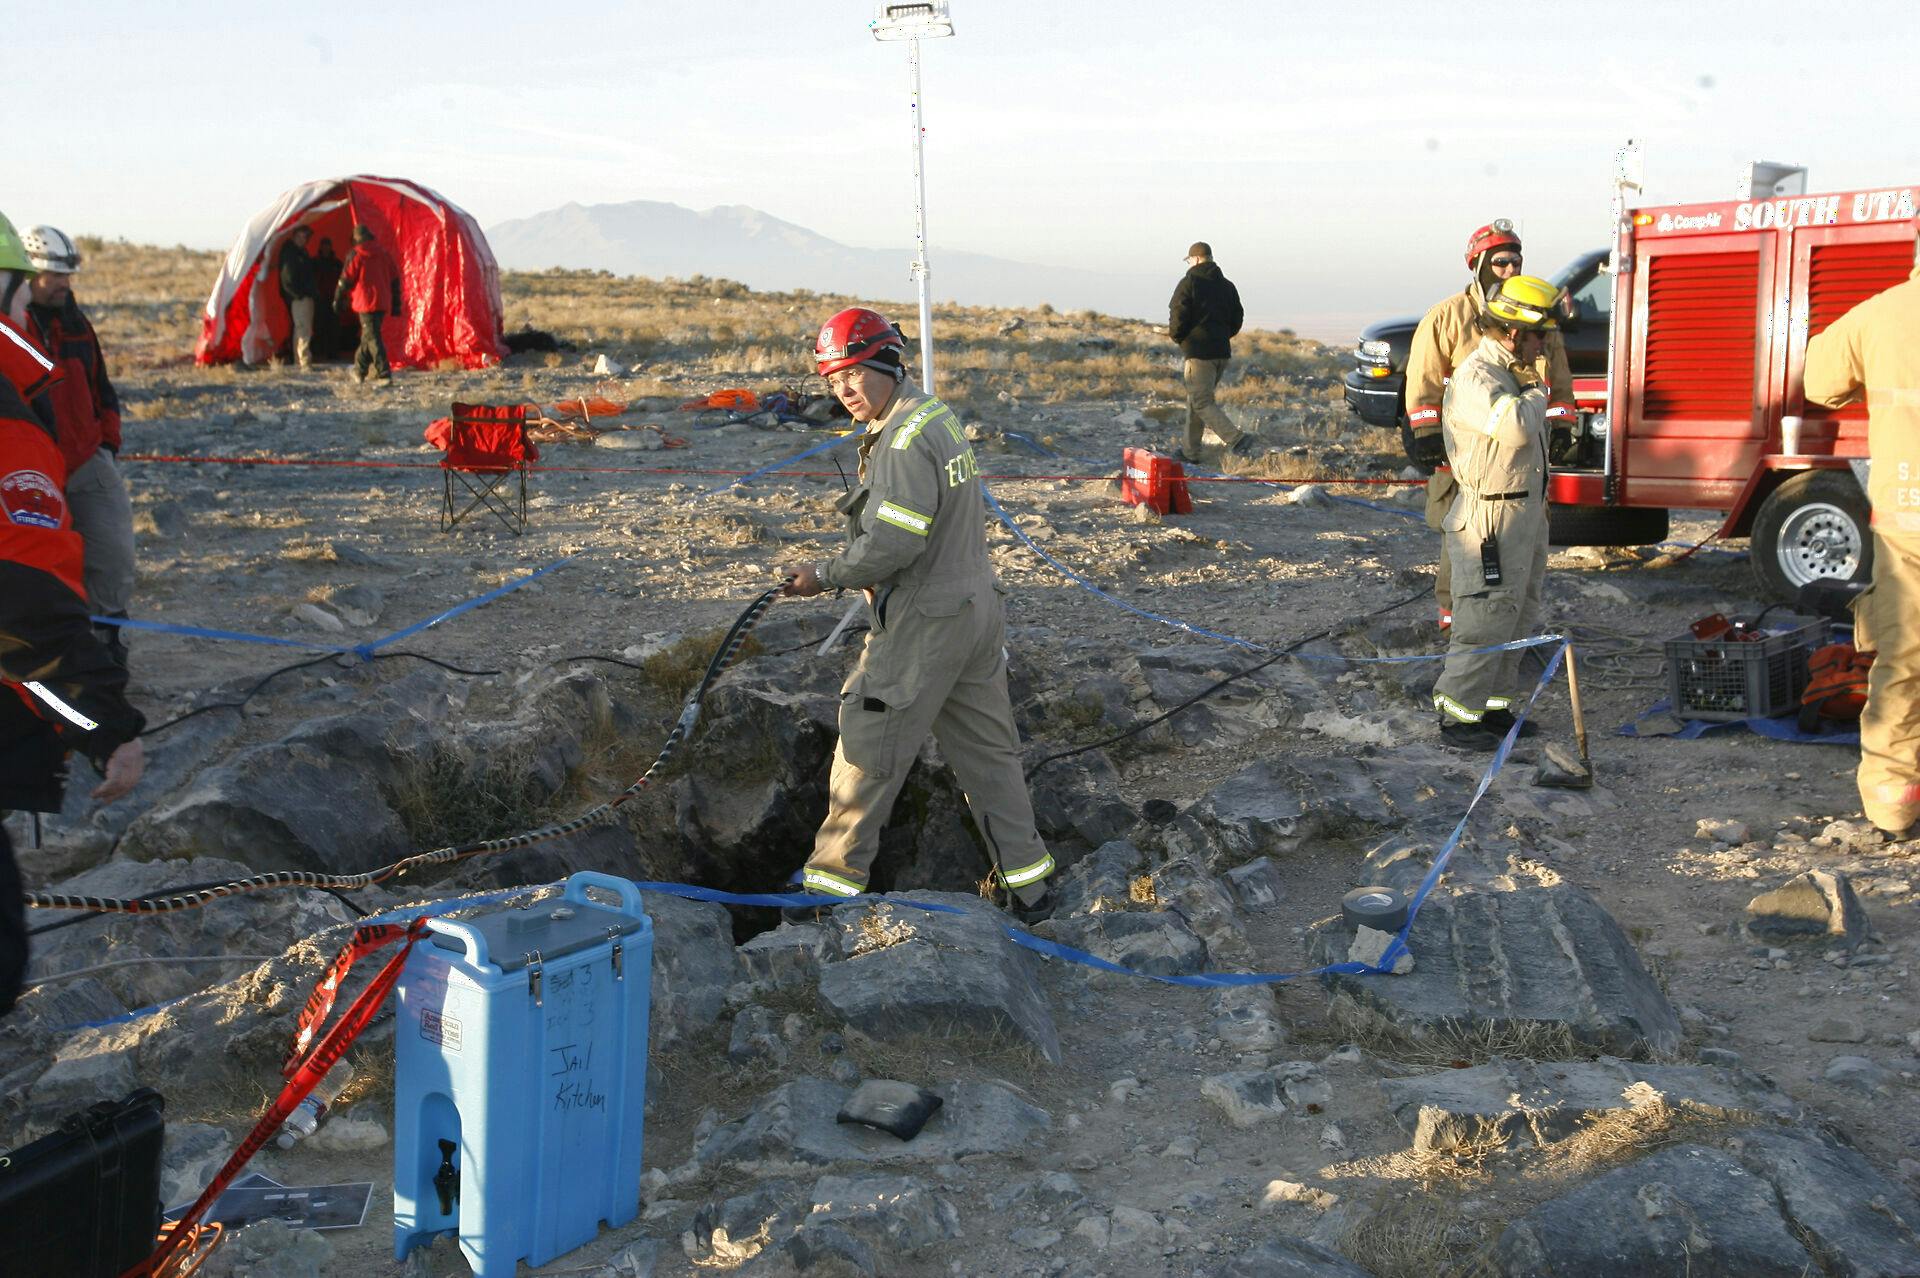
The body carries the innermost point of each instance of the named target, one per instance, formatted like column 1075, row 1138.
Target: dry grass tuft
column 1141, row 891
column 1412, row 1234
column 1451, row 1044
column 880, row 930
column 676, row 668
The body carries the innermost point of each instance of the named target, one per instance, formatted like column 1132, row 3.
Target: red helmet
column 1494, row 235
column 852, row 337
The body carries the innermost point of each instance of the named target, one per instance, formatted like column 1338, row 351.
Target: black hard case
column 84, row 1202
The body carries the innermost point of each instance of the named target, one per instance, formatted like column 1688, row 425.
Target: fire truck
column 1701, row 405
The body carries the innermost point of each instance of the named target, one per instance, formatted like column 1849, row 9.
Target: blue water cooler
column 520, row 1077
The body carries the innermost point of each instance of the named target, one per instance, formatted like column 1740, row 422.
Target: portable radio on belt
column 1490, row 561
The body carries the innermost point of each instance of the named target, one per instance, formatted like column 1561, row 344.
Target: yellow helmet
column 13, row 255
column 1524, row 301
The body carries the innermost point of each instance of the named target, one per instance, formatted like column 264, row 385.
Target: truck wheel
column 1605, row 525
column 1813, row 526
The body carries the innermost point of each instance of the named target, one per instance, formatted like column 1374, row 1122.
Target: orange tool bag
column 1156, row 482
column 1836, row 685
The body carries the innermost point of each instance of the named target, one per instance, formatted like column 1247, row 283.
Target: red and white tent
column 449, row 282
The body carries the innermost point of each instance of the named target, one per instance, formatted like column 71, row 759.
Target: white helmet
column 51, row 249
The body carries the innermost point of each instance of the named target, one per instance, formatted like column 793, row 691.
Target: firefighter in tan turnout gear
column 1446, row 336
column 1875, row 348
column 1494, row 416
column 935, row 657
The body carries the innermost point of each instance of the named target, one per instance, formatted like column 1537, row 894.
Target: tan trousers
column 1203, row 375
column 1887, row 620
column 1483, row 615
column 301, row 309
column 959, row 665
column 1441, row 486
column 103, row 516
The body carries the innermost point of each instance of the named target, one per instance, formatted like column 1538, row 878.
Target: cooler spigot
column 446, row 1181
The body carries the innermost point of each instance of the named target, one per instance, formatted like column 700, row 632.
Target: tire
column 1813, row 526
column 1606, row 525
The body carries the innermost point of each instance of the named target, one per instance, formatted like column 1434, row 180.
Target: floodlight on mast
column 928, row 20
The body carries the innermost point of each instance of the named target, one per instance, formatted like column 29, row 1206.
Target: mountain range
column 733, row 241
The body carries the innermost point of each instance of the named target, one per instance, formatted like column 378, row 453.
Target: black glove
column 1427, row 448
column 1560, row 443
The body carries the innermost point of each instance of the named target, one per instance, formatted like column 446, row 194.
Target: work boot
column 1468, row 736
column 1039, row 911
column 1500, row 722
column 1243, row 446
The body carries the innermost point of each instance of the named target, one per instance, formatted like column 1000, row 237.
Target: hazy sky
column 1336, row 154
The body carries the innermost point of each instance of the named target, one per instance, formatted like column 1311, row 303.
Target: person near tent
column 1446, row 335
column 1494, row 414
column 326, row 278
column 1870, row 353
column 60, row 688
column 86, row 412
column 370, row 284
column 299, row 285
column 935, row 659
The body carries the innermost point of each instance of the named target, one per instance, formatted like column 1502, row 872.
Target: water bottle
column 305, row 1119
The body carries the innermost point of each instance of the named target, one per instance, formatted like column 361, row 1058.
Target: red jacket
column 63, row 690
column 370, row 279
column 86, row 408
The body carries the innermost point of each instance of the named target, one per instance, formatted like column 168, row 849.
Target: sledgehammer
column 1556, row 770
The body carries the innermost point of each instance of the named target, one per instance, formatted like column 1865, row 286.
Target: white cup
column 1790, row 436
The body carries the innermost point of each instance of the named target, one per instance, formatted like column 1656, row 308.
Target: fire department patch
column 30, row 498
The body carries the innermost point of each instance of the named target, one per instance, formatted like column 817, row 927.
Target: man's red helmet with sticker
column 854, row 336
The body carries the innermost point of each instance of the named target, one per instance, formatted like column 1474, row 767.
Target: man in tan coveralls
column 935, row 659
column 1446, row 336
column 1875, row 348
column 1495, row 418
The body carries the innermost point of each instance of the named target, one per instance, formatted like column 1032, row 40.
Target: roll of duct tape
column 1379, row 908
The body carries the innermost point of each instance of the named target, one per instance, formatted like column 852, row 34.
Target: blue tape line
column 368, row 649
column 237, row 636
column 781, row 465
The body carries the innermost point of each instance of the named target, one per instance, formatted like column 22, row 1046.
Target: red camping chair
column 486, row 446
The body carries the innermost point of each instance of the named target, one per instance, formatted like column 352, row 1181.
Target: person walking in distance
column 1873, row 350
column 1447, row 334
column 298, row 286
column 935, row 658
column 1494, row 414
column 370, row 284
column 1204, row 317
column 86, row 410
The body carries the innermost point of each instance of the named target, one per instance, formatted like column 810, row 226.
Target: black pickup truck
column 1376, row 387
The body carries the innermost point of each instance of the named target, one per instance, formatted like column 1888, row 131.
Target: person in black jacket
column 299, row 288
column 1204, row 317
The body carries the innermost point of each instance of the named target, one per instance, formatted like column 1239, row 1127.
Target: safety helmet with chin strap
column 51, row 249
column 1524, row 302
column 13, row 255
column 855, row 336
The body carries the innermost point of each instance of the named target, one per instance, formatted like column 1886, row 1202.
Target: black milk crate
column 84, row 1202
column 1725, row 680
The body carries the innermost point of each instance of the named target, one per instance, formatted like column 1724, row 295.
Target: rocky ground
column 1603, row 1061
